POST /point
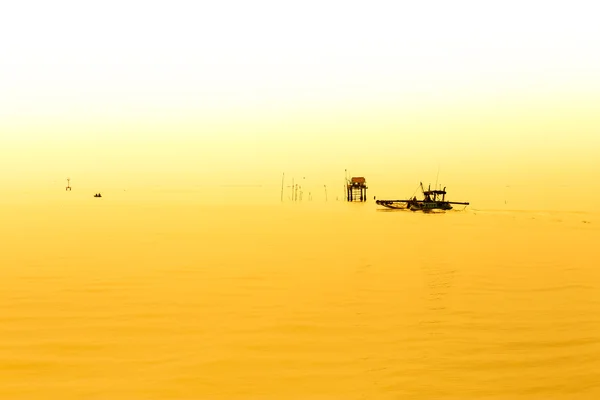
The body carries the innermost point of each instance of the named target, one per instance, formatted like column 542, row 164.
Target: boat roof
column 434, row 192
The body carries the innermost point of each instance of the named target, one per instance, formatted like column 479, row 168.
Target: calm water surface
column 104, row 299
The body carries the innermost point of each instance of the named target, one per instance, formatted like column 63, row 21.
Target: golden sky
column 242, row 91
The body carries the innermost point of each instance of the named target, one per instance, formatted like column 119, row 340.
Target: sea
column 166, row 296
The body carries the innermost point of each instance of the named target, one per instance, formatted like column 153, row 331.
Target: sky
column 135, row 93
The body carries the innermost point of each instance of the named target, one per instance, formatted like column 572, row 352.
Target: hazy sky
column 246, row 90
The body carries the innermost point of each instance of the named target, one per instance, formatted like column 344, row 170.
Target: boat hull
column 394, row 205
column 430, row 205
column 415, row 205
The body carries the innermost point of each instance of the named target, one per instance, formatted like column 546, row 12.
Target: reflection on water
column 126, row 300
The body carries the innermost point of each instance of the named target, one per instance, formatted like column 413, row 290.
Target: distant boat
column 432, row 200
column 97, row 195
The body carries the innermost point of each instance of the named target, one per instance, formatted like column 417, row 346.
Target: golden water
column 105, row 299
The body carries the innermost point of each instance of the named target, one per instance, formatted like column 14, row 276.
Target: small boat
column 432, row 200
column 97, row 195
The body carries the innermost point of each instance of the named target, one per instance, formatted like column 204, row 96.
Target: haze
column 136, row 94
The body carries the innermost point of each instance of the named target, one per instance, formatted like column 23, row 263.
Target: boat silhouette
column 432, row 200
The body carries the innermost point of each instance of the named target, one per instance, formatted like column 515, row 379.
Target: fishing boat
column 433, row 200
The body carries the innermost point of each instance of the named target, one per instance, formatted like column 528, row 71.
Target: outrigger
column 433, row 200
